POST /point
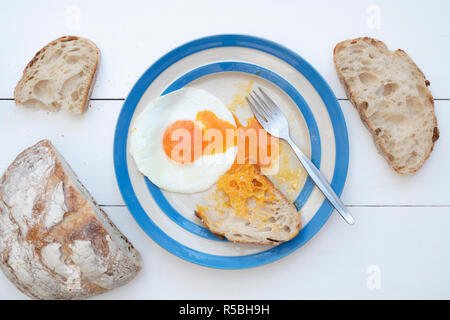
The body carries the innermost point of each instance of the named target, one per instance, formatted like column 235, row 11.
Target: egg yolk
column 255, row 145
column 185, row 141
column 241, row 184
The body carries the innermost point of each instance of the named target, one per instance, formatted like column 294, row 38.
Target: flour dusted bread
column 55, row 241
column 393, row 100
column 251, row 209
column 61, row 75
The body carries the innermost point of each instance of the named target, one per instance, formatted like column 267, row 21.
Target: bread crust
column 282, row 198
column 55, row 242
column 88, row 92
column 358, row 104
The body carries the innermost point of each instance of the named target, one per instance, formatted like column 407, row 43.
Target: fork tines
column 264, row 109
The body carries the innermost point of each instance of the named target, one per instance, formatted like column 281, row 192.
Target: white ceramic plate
column 224, row 65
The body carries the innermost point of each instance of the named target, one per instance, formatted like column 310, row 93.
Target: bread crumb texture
column 393, row 100
column 61, row 75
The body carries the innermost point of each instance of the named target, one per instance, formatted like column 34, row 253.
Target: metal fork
column 274, row 122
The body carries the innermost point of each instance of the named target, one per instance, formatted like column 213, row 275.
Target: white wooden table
column 400, row 245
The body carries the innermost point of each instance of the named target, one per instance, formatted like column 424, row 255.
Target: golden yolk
column 240, row 184
column 180, row 139
column 218, row 134
column 255, row 145
column 185, row 141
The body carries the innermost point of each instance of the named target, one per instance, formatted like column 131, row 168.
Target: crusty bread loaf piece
column 250, row 209
column 55, row 241
column 392, row 97
column 61, row 75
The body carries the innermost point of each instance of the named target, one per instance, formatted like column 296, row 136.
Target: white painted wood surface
column 401, row 237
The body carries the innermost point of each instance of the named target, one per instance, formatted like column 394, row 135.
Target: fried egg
column 180, row 141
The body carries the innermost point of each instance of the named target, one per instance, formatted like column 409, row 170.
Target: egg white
column 146, row 142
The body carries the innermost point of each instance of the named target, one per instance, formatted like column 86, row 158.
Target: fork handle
column 322, row 183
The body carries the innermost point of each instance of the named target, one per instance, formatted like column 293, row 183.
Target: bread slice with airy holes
column 61, row 75
column 249, row 209
column 393, row 99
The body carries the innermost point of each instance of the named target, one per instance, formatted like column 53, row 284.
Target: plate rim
column 120, row 158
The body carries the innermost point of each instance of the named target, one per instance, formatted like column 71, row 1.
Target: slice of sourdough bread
column 55, row 241
column 250, row 209
column 61, row 75
column 392, row 97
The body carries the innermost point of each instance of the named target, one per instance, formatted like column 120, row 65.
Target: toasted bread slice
column 61, row 75
column 393, row 100
column 252, row 210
